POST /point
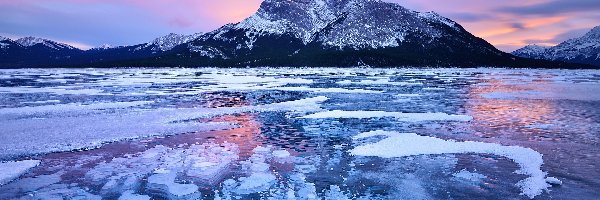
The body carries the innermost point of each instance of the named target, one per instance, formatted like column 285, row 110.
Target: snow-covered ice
column 90, row 131
column 470, row 176
column 409, row 117
column 409, row 144
column 286, row 133
column 69, row 108
column 13, row 169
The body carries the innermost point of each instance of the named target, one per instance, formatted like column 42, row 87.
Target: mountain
column 34, row 52
column 531, row 51
column 337, row 33
column 156, row 47
column 342, row 33
column 585, row 50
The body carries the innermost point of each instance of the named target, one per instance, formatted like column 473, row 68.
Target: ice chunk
column 165, row 186
column 129, row 195
column 408, row 117
column 470, row 176
column 553, row 181
column 62, row 191
column 281, row 153
column 410, row 144
column 256, row 182
column 13, row 169
column 31, row 184
column 335, row 193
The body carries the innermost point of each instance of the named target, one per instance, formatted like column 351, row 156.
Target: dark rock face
column 585, row 50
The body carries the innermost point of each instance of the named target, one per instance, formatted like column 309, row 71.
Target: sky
column 507, row 24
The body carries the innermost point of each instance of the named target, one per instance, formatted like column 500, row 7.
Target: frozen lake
column 318, row 133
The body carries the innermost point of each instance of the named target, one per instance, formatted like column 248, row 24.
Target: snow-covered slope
column 168, row 42
column 531, row 51
column 5, row 42
column 585, row 49
column 342, row 33
column 32, row 41
column 340, row 23
column 103, row 47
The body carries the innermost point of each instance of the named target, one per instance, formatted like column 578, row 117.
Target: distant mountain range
column 585, row 49
column 338, row 33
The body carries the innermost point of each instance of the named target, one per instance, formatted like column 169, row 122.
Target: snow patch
column 409, row 144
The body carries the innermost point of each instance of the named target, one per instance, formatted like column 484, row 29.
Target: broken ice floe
column 409, row 144
column 163, row 168
column 13, row 169
column 409, row 117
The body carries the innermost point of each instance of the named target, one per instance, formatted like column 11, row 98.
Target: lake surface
column 317, row 133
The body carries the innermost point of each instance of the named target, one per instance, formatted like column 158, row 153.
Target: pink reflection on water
column 508, row 118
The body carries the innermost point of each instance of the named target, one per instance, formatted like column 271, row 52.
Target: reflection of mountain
column 310, row 33
column 585, row 49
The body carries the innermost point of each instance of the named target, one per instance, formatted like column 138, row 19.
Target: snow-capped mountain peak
column 168, row 42
column 32, row 41
column 594, row 32
column 29, row 41
column 531, row 51
column 103, row 47
column 4, row 45
column 585, row 49
column 341, row 23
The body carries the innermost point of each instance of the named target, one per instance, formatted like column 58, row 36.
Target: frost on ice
column 409, row 117
column 410, row 144
column 13, row 169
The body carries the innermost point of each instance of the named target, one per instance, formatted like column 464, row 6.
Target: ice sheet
column 74, row 107
column 409, row 144
column 409, row 117
column 60, row 133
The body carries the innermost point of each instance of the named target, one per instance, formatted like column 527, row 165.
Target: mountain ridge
column 584, row 50
column 314, row 33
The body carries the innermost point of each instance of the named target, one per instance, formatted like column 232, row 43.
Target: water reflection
column 511, row 118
